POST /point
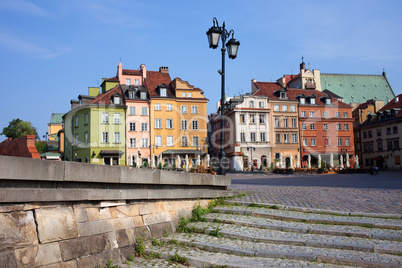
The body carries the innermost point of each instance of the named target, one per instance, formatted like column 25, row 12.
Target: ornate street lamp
column 214, row 33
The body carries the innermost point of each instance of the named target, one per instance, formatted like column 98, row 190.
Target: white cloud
column 23, row 6
column 14, row 43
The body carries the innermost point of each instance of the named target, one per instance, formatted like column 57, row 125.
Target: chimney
column 143, row 71
column 164, row 70
column 396, row 99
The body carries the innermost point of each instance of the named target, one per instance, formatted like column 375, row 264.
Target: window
column 76, row 121
column 133, row 143
column 325, row 126
column 276, row 108
column 136, row 82
column 86, row 137
column 163, row 92
column 195, row 125
column 346, row 126
column 278, row 138
column 144, row 143
column 116, row 100
column 338, row 114
column 312, row 126
column 184, row 124
column 294, row 138
column 195, row 141
column 326, row 142
column 285, row 122
column 242, row 136
column 302, row 101
column 370, row 134
column 293, row 108
column 313, row 142
column 305, row 142
column 389, row 145
column 325, row 114
column 131, row 95
column 190, row 95
column 183, row 94
column 312, row 101
column 183, row 109
column 132, row 110
column 365, row 134
column 286, row 138
column 311, row 114
column 327, row 101
column 169, row 107
column 194, row 109
column 388, row 130
column 378, row 132
column 304, row 126
column 143, row 95
column 262, row 136
column 262, row 119
column 144, row 126
column 252, row 136
column 242, row 118
column 283, row 95
column 396, row 144
column 169, row 123
column 86, row 119
column 169, row 141
column 184, row 142
column 261, row 104
column 397, row 160
column 277, row 122
column 105, row 118
column 252, row 118
column 294, row 122
column 338, row 127
column 347, row 142
column 144, row 111
column 379, row 145
column 105, row 137
column 157, row 106
column 117, row 137
column 284, row 108
column 76, row 139
column 345, row 114
column 395, row 130
column 339, row 142
column 128, row 81
column 132, row 126
column 158, row 123
column 251, row 104
column 158, row 140
column 116, row 118
column 303, row 113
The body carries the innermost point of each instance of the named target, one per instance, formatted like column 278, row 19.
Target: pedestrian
column 376, row 170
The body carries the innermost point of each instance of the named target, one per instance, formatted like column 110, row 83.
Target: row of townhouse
column 138, row 117
column 298, row 120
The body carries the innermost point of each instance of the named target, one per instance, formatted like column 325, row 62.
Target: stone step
column 300, row 239
column 287, row 252
column 302, row 227
column 203, row 258
column 313, row 217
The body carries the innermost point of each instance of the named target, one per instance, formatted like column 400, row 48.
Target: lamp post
column 214, row 33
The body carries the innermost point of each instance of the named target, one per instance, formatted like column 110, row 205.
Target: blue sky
column 51, row 51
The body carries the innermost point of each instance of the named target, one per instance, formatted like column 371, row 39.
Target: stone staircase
column 250, row 235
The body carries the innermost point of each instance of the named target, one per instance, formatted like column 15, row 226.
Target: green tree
column 41, row 147
column 18, row 128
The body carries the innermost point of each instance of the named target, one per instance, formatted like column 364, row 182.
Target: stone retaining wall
column 65, row 214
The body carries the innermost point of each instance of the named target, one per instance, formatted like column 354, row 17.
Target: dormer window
column 131, row 95
column 302, row 101
column 116, row 100
column 328, row 101
column 143, row 95
column 251, row 104
column 283, row 95
column 163, row 92
column 312, row 101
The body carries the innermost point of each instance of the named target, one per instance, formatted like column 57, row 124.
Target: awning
column 111, row 152
column 183, row 152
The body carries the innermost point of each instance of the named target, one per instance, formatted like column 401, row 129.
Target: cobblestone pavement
column 324, row 191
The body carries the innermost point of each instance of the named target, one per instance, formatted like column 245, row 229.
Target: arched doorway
column 287, row 162
column 264, row 161
column 245, row 162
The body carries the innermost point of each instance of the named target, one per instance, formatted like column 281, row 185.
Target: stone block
column 91, row 173
column 112, row 203
column 94, row 227
column 134, row 194
column 138, row 221
column 48, row 254
column 99, row 243
column 26, row 256
column 174, row 178
column 55, row 224
column 129, row 210
column 131, row 236
column 8, row 260
column 159, row 194
column 80, row 214
column 122, row 223
column 127, row 252
column 113, row 212
column 17, row 230
column 122, row 238
column 75, row 248
column 103, row 194
column 159, row 229
column 93, row 214
column 160, row 206
column 143, row 232
column 97, row 260
column 156, row 218
column 140, row 176
column 147, row 208
column 104, row 213
column 2, row 195
column 67, row 264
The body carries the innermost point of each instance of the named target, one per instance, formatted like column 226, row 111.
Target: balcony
column 310, row 85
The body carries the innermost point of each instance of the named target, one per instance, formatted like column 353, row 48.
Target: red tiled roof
column 290, row 77
column 268, row 89
column 392, row 104
column 364, row 105
column 154, row 79
column 131, row 72
column 112, row 79
column 104, row 98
